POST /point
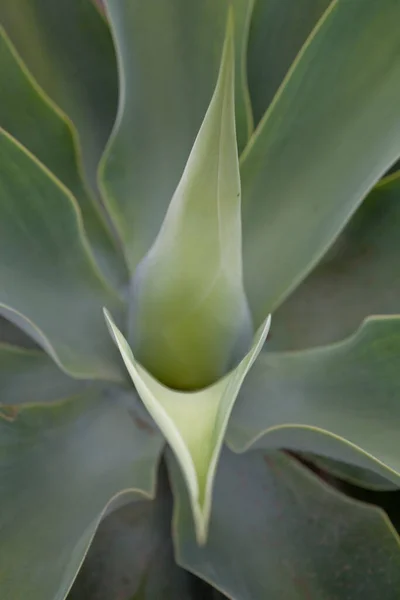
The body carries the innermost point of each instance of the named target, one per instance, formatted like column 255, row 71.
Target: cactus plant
column 199, row 256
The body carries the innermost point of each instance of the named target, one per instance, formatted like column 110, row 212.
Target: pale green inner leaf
column 190, row 320
column 193, row 423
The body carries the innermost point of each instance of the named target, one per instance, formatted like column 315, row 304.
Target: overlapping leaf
column 351, row 474
column 131, row 556
column 277, row 532
column 278, row 31
column 340, row 401
column 31, row 376
column 190, row 320
column 242, row 12
column 358, row 277
column 31, row 117
column 194, row 424
column 329, row 135
column 169, row 53
column 60, row 466
column 67, row 47
column 49, row 284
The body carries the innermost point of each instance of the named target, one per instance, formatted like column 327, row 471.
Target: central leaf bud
column 190, row 321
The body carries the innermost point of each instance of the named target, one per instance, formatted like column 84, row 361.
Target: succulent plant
column 173, row 173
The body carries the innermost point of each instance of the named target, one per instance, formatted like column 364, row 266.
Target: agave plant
column 173, row 173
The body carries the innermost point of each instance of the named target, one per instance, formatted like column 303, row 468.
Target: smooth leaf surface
column 331, row 132
column 307, row 541
column 190, row 320
column 49, row 284
column 242, row 12
column 31, row 117
column 131, row 557
column 359, row 276
column 194, row 424
column 351, row 474
column 340, row 401
column 169, row 54
column 278, row 30
column 68, row 49
column 60, row 466
column 10, row 334
column 31, row 376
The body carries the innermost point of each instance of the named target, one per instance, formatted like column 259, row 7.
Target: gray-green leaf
column 68, row 49
column 61, row 467
column 169, row 53
column 340, row 401
column 331, row 132
column 278, row 532
column 358, row 277
column 49, row 284
column 31, row 117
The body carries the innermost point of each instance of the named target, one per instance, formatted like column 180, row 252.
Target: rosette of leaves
column 173, row 173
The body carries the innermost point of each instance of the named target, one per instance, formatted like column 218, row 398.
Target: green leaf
column 169, row 54
column 242, row 10
column 331, row 132
column 31, row 117
column 194, row 424
column 131, row 557
column 61, row 467
column 49, row 285
column 278, row 31
column 277, row 531
column 10, row 334
column 339, row 401
column 190, row 320
column 351, row 474
column 30, row 376
column 68, row 49
column 358, row 277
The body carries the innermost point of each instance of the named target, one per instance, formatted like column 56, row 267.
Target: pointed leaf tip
column 193, row 423
column 190, row 320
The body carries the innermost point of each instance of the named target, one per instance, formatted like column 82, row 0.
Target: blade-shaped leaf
column 331, row 132
column 49, row 284
column 30, row 116
column 190, row 320
column 358, row 277
column 169, row 53
column 194, row 424
column 340, row 401
column 276, row 531
column 277, row 32
column 60, row 467
column 131, row 557
column 30, row 376
column 67, row 47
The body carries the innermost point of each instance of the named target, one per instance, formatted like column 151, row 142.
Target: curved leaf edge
column 124, row 496
column 76, row 210
column 78, row 156
column 228, row 388
column 257, row 131
column 243, row 74
column 306, row 472
column 4, row 308
column 101, row 167
column 392, row 474
column 387, row 181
